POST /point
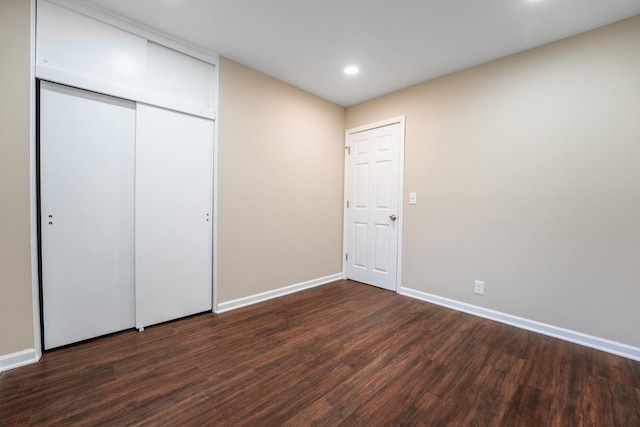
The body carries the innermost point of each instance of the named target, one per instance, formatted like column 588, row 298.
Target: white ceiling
column 398, row 43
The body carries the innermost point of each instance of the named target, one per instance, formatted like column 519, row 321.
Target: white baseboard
column 20, row 358
column 264, row 296
column 602, row 344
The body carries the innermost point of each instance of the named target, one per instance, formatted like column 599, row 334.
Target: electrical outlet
column 478, row 287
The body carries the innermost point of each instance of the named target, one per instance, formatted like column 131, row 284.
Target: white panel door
column 86, row 182
column 373, row 201
column 173, row 215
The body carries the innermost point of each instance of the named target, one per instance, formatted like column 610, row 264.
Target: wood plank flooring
column 340, row 354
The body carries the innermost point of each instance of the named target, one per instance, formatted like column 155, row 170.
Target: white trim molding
column 17, row 359
column 602, row 344
column 33, row 191
column 214, row 200
column 275, row 293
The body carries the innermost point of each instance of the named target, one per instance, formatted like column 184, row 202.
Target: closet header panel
column 78, row 50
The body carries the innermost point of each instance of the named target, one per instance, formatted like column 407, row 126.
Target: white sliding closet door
column 173, row 258
column 86, row 178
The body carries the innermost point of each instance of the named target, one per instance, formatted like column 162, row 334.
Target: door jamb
column 34, row 199
column 395, row 120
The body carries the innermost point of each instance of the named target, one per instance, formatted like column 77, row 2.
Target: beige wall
column 528, row 177
column 16, row 312
column 280, row 184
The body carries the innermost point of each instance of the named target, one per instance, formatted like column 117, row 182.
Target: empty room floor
column 339, row 354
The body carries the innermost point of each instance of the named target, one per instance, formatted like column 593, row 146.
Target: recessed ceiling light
column 351, row 70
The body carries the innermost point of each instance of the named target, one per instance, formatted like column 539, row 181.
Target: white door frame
column 400, row 220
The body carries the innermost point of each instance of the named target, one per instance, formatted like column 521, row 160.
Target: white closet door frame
column 86, row 182
column 174, row 158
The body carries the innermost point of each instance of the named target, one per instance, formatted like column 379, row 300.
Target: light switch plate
column 413, row 198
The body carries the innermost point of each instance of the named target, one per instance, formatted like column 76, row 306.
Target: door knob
column 392, row 217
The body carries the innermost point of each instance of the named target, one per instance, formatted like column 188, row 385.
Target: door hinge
column 348, row 150
column 346, row 257
column 347, row 204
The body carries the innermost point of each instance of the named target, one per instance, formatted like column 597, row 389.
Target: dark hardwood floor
column 340, row 354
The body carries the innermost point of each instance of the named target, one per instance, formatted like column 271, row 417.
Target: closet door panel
column 86, row 182
column 173, row 215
